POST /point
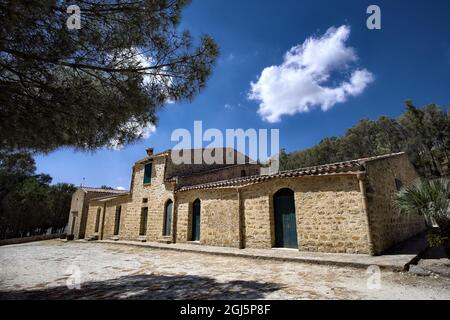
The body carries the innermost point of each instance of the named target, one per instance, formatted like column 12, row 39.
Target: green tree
column 97, row 86
column 424, row 133
column 14, row 168
column 27, row 208
column 428, row 131
column 390, row 136
column 60, row 199
column 359, row 141
column 28, row 203
column 432, row 200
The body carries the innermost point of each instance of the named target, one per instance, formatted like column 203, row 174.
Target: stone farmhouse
column 341, row 207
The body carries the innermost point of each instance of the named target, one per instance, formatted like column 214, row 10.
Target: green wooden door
column 285, row 221
column 196, row 220
column 168, row 219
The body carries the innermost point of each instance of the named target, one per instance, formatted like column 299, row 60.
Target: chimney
column 149, row 151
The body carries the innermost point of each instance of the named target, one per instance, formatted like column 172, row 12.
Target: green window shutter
column 148, row 173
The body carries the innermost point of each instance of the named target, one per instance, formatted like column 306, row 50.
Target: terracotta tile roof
column 90, row 189
column 326, row 169
column 109, row 197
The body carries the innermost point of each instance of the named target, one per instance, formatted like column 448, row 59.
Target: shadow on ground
column 432, row 262
column 435, row 253
column 414, row 245
column 151, row 287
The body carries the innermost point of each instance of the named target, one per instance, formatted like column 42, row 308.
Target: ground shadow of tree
column 152, row 287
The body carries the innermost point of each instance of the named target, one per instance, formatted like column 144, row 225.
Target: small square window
column 144, row 200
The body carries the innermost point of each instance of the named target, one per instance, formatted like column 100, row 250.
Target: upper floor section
column 176, row 168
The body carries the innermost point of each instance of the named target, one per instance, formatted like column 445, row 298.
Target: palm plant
column 430, row 198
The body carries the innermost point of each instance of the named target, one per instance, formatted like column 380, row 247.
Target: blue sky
column 409, row 58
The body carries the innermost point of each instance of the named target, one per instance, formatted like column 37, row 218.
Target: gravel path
column 49, row 270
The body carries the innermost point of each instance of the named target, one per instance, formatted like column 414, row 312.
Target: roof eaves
column 344, row 167
column 164, row 153
column 109, row 197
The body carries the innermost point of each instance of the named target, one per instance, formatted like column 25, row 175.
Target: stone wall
column 158, row 192
column 91, row 218
column 388, row 226
column 76, row 209
column 110, row 215
column 329, row 211
column 107, row 218
column 219, row 216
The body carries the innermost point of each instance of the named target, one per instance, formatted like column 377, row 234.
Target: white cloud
column 147, row 131
column 120, row 188
column 134, row 126
column 228, row 106
column 146, row 61
column 299, row 83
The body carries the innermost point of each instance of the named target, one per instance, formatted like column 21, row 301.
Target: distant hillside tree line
column 29, row 205
column 424, row 133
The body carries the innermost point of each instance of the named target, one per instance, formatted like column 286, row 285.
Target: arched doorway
column 285, row 220
column 196, row 209
column 168, row 218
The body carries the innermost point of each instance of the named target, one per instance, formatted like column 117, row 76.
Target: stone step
column 142, row 239
column 165, row 239
column 92, row 238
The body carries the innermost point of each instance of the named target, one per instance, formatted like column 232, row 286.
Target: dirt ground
column 74, row 270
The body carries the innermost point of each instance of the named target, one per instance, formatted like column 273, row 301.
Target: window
column 148, row 173
column 97, row 219
column 243, row 173
column 168, row 218
column 143, row 227
column 398, row 184
column 144, row 200
column 117, row 220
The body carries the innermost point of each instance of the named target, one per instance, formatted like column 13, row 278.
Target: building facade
column 342, row 207
column 79, row 207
